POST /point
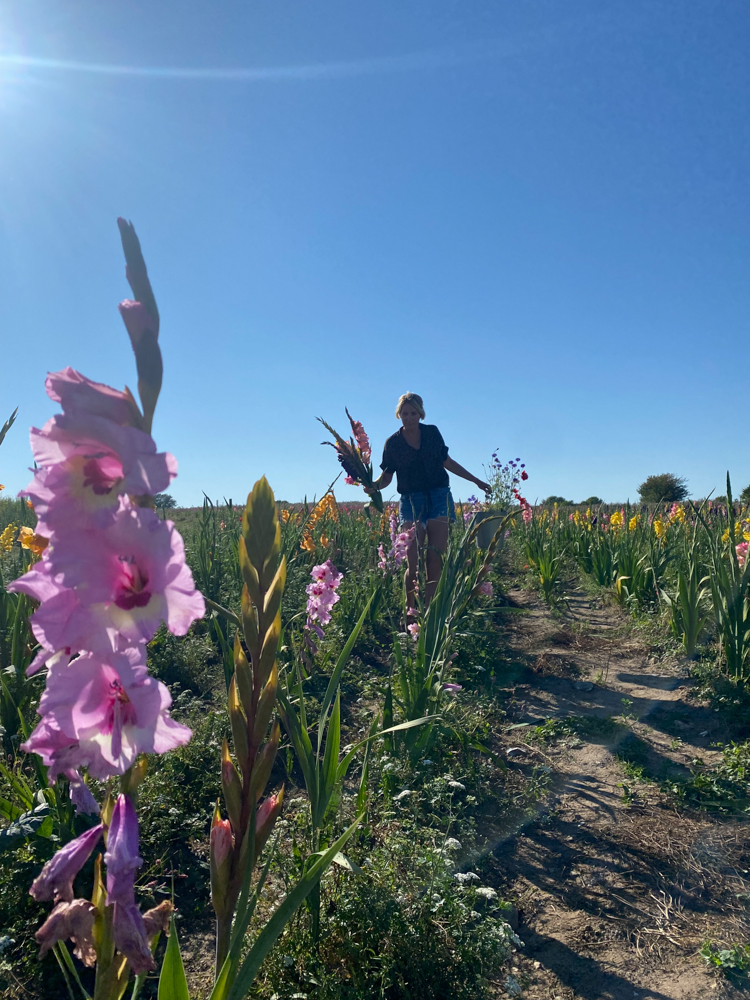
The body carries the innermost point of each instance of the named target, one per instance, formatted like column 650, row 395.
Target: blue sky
column 534, row 214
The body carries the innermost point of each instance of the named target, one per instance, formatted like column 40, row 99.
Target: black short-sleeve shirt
column 417, row 470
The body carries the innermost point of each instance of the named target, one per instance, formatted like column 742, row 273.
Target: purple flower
column 76, row 393
column 122, row 580
column 55, row 881
column 101, row 712
column 452, row 688
column 122, row 861
column 84, row 462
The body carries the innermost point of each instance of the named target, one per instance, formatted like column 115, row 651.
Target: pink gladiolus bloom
column 485, row 587
column 76, row 393
column 221, row 840
column 74, row 921
column 413, row 629
column 102, row 711
column 452, row 688
column 122, row 861
column 124, row 579
column 527, row 514
column 55, row 880
column 350, row 481
column 122, row 858
column 84, row 462
column 741, row 551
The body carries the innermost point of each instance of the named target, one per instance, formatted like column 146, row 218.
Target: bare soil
column 615, row 886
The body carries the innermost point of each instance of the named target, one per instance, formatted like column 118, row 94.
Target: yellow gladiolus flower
column 633, row 523
column 616, row 519
column 7, row 537
column 660, row 527
column 33, row 542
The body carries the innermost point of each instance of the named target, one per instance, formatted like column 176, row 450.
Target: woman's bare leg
column 437, row 542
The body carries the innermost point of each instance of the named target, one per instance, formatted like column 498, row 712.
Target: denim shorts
column 426, row 506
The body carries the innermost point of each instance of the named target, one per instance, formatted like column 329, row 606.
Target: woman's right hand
column 369, row 490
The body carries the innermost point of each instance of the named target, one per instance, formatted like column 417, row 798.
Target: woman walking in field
column 418, row 456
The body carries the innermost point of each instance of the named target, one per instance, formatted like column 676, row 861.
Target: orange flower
column 31, row 541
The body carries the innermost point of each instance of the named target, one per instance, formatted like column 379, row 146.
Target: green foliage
column 553, row 499
column 664, row 488
column 592, row 501
column 734, row 962
column 724, row 787
column 164, row 501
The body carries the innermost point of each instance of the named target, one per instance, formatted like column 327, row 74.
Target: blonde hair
column 414, row 399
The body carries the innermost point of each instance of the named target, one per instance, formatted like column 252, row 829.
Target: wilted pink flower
column 55, row 881
column 76, row 393
column 125, row 579
column 122, row 861
column 74, row 921
column 101, row 711
column 485, row 587
column 84, row 463
column 350, row 481
column 452, row 688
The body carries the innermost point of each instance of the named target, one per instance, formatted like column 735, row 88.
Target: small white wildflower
column 457, row 785
column 463, row 878
column 452, row 844
column 389, row 767
column 402, row 795
column 485, row 892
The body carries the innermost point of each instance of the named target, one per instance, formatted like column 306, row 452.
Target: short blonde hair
column 414, row 399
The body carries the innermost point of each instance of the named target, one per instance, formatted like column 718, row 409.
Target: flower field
column 238, row 761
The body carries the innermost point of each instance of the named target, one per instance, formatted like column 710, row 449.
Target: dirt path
column 615, row 888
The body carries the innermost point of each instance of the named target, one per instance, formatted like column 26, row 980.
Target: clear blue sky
column 535, row 214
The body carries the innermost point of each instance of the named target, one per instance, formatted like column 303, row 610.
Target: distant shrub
column 745, row 495
column 592, row 500
column 664, row 488
column 164, row 501
column 561, row 501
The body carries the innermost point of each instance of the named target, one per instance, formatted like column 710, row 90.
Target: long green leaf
column 337, row 670
column 281, row 917
column 172, row 981
column 331, row 759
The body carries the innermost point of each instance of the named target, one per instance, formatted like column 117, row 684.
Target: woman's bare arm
column 383, row 480
column 459, row 470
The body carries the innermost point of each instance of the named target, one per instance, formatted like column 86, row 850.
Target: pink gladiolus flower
column 122, row 861
column 101, row 712
column 76, row 393
column 84, row 462
column 485, row 587
column 55, row 880
column 452, row 688
column 124, row 579
column 221, row 840
column 122, row 858
column 527, row 514
column 413, row 630
column 741, row 551
column 350, row 481
column 74, row 921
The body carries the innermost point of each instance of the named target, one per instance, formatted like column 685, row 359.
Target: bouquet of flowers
column 354, row 456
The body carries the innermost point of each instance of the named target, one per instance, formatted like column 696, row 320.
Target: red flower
column 524, row 474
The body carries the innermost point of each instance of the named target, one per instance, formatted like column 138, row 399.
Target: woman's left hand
column 484, row 486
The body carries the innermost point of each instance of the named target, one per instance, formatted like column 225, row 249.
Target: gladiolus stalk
column 237, row 842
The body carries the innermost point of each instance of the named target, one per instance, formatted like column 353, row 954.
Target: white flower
column 427, row 763
column 457, row 785
column 485, row 892
column 402, row 795
column 463, row 878
column 452, row 844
